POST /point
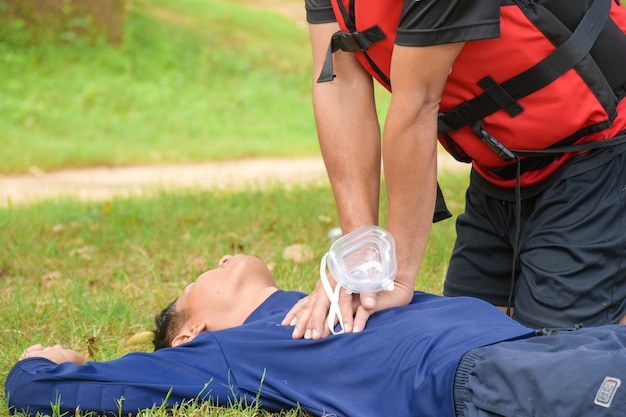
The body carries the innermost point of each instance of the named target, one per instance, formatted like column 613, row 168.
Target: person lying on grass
column 221, row 341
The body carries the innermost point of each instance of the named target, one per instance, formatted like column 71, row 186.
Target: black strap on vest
column 349, row 42
column 585, row 146
column 505, row 95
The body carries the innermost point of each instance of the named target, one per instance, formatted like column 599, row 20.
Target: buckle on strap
column 349, row 42
column 493, row 143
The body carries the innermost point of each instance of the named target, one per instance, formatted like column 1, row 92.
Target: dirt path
column 104, row 183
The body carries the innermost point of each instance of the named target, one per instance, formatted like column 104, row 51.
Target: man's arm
column 133, row 382
column 349, row 137
column 348, row 132
column 418, row 76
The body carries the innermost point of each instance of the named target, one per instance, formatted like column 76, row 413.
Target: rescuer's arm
column 349, row 138
column 418, row 76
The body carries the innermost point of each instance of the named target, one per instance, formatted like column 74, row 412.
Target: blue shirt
column 402, row 364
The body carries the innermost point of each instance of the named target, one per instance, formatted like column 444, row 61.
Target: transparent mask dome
column 364, row 260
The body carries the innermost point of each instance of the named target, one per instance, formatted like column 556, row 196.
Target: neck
column 248, row 303
column 257, row 299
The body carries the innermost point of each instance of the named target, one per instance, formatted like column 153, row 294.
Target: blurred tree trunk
column 62, row 19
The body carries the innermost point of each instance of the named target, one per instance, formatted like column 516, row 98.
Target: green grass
column 193, row 80
column 110, row 266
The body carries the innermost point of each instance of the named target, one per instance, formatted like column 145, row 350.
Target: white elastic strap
column 333, row 297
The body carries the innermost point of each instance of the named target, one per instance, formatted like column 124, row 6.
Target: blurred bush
column 29, row 22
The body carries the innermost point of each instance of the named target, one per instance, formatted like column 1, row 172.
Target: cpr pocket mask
column 362, row 261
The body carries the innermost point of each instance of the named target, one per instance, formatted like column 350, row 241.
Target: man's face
column 215, row 294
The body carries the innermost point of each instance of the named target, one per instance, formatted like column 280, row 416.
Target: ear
column 188, row 334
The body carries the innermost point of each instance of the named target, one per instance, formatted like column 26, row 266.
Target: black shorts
column 580, row 373
column 571, row 266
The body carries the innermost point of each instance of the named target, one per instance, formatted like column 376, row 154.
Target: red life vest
column 577, row 105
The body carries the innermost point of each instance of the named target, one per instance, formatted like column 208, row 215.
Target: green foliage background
column 193, row 80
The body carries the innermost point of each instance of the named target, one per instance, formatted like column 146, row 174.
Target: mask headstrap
column 333, row 296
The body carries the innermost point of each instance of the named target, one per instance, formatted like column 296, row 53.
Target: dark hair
column 168, row 323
